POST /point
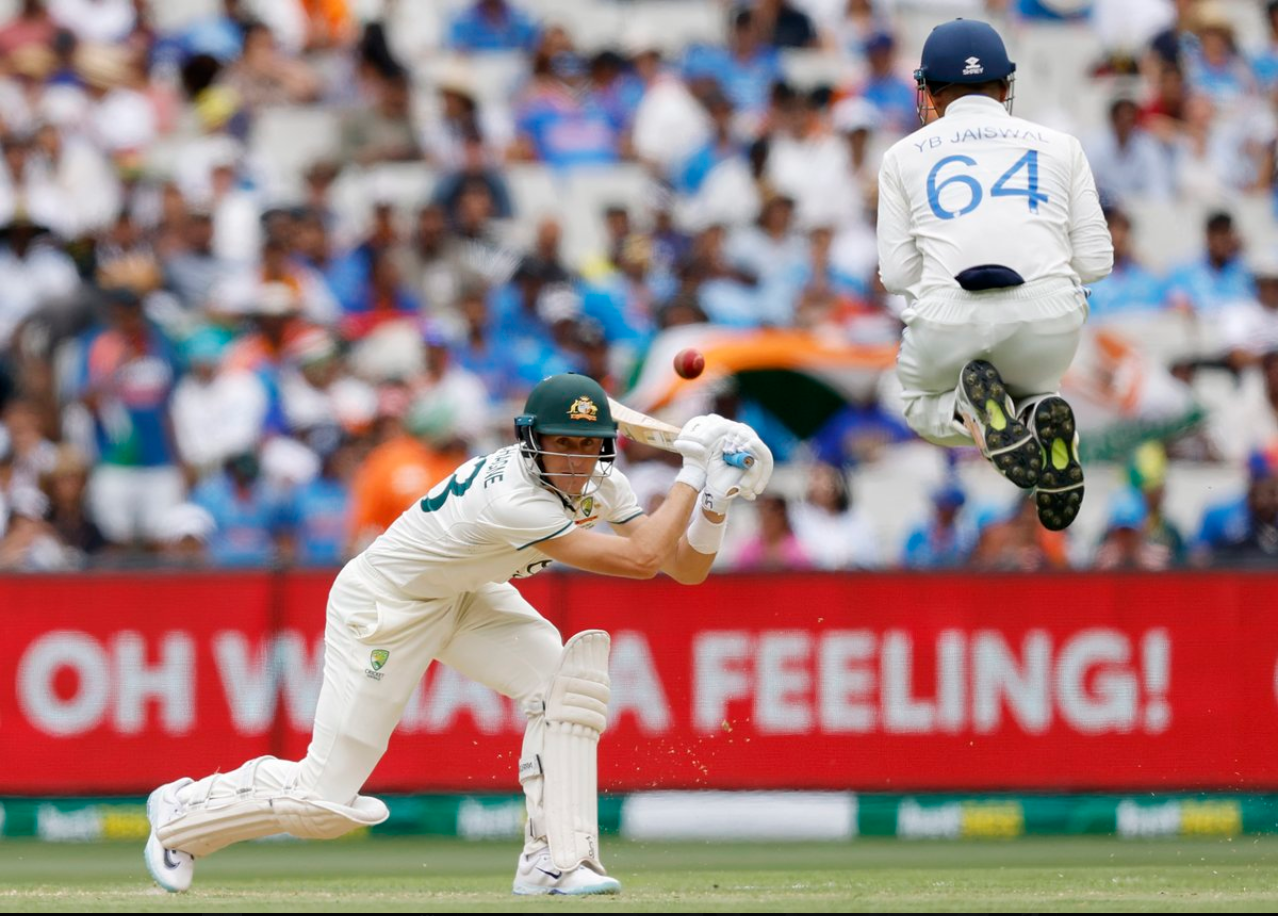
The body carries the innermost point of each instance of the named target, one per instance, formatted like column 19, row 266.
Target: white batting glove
column 723, row 480
column 696, row 441
column 755, row 478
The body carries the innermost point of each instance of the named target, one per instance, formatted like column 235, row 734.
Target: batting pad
column 254, row 801
column 576, row 715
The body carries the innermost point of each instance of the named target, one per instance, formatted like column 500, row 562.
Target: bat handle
column 743, row 460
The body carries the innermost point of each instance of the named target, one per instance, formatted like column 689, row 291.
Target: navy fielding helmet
column 965, row 51
column 567, row 405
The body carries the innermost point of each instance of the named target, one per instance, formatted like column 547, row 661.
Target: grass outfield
column 402, row 875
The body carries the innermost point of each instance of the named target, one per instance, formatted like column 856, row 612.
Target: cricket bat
column 643, row 428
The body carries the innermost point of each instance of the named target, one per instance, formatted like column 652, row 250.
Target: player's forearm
column 661, row 535
column 690, row 566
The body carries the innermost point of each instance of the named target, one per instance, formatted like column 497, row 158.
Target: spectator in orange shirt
column 421, row 452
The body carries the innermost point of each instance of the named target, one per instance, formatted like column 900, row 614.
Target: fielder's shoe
column 537, row 874
column 990, row 417
column 1060, row 486
column 172, row 870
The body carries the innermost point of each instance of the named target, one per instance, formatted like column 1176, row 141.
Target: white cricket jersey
column 483, row 524
column 980, row 187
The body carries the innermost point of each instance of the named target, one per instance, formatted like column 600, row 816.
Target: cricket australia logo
column 973, row 67
column 377, row 659
column 583, row 409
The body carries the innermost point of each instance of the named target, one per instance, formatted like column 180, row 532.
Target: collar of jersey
column 976, row 104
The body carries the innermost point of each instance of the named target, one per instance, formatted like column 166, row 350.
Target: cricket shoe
column 537, row 874
column 990, row 417
column 1060, row 486
column 171, row 869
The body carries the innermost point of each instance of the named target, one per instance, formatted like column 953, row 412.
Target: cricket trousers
column 378, row 643
column 1029, row 333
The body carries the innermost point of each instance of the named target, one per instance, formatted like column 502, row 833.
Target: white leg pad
column 576, row 715
column 257, row 800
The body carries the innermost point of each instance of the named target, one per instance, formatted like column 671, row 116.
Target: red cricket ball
column 689, row 363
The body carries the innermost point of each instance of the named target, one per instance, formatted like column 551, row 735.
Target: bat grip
column 743, row 460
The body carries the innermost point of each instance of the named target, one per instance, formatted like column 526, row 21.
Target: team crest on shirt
column 583, row 409
column 586, row 510
column 973, row 67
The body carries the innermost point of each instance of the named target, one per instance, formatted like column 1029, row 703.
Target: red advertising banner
column 115, row 683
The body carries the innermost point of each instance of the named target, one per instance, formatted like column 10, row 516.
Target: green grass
column 399, row 875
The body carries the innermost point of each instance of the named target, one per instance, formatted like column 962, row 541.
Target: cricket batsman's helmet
column 566, row 405
column 964, row 51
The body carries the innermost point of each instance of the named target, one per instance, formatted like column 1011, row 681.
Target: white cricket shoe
column 537, row 874
column 171, row 869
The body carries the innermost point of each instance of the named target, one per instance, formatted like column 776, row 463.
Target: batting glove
column 756, row 477
column 723, row 480
column 696, row 441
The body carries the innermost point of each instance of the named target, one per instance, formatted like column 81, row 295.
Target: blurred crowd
column 203, row 361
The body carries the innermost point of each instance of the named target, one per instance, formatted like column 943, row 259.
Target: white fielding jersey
column 482, row 525
column 979, row 187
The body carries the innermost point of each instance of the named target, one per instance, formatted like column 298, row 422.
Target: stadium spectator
column 215, row 413
column 1130, row 287
column 264, row 75
column 745, row 69
column 319, row 510
column 1127, row 162
column 384, row 298
column 669, row 123
column 383, row 131
column 1250, row 327
column 940, row 542
column 1265, row 64
column 1126, row 543
column 776, row 253
column 33, row 26
column 319, row 394
column 251, row 517
column 890, row 92
column 808, row 162
column 834, row 533
column 774, row 547
column 492, row 25
column 195, row 271
column 474, row 167
column 1017, row 543
column 1250, row 535
column 401, row 469
column 1218, row 158
column 101, row 21
column 558, row 119
column 1216, row 279
column 34, row 272
column 125, row 379
column 785, row 25
column 1163, row 114
column 624, row 303
column 67, row 518
column 1215, row 67
column 1147, row 474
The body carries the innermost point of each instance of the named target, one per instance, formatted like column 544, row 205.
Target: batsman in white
column 990, row 225
column 435, row 587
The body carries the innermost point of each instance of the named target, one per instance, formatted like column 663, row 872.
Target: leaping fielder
column 990, row 225
column 435, row 587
